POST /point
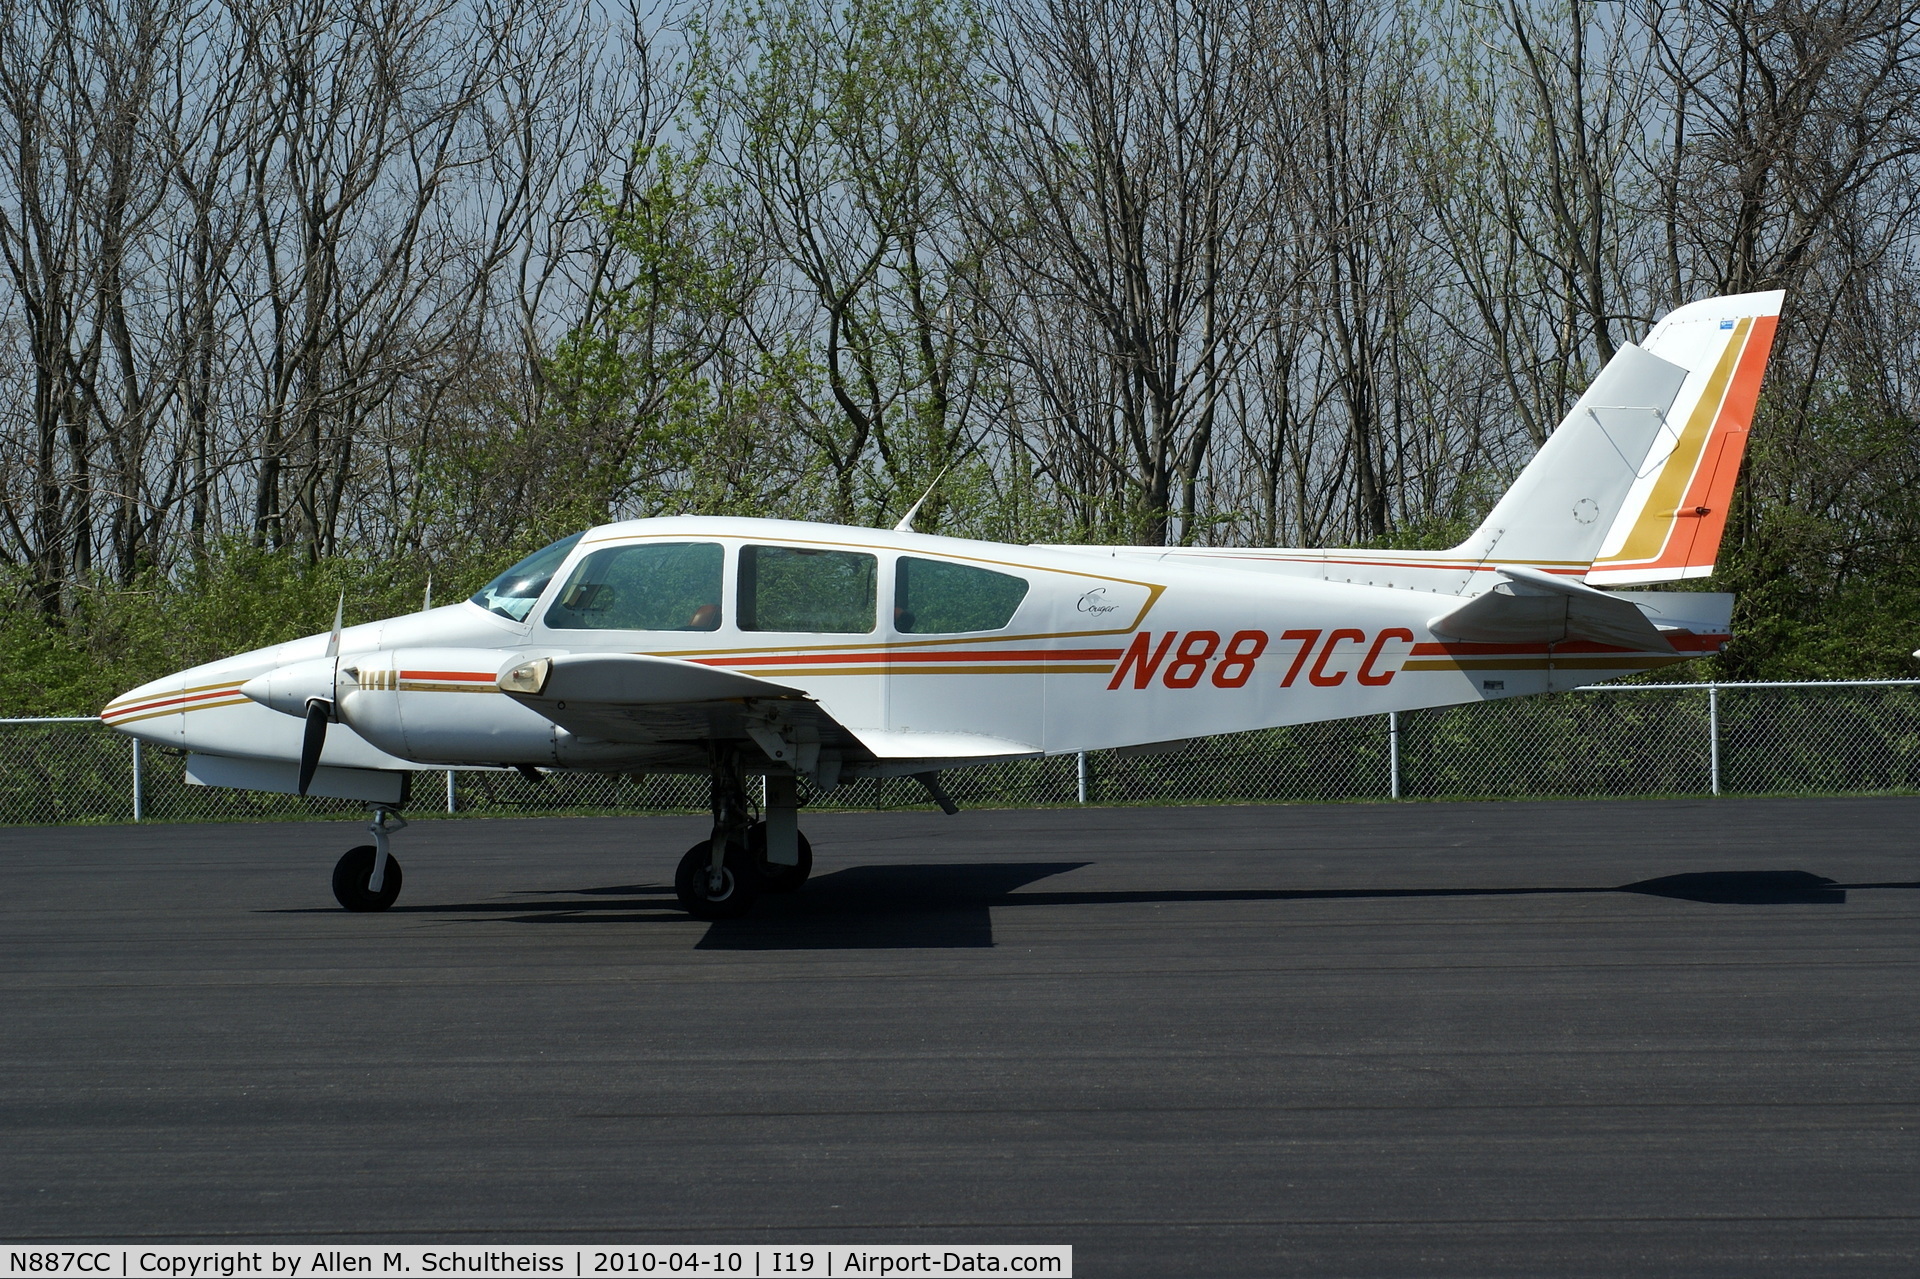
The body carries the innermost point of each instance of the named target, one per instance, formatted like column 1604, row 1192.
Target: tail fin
column 1559, row 510
column 1671, row 522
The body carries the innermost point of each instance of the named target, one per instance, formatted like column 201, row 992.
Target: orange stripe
column 886, row 655
column 1653, row 531
column 204, row 706
column 1673, row 531
column 116, row 703
column 1713, row 482
column 113, row 713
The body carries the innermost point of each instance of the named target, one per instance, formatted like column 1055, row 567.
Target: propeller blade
column 339, row 614
column 313, row 740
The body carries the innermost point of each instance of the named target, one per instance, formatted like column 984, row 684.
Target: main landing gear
column 720, row 876
column 368, row 877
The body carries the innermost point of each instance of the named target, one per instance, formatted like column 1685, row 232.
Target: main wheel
column 350, row 876
column 773, row 877
column 694, row 886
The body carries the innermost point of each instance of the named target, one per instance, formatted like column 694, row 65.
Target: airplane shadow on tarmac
column 950, row 906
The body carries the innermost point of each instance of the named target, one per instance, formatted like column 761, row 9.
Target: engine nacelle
column 442, row 706
column 288, row 689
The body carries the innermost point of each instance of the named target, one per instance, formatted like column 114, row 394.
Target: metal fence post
column 449, row 790
column 1083, row 776
column 139, row 792
column 1393, row 752
column 1713, row 736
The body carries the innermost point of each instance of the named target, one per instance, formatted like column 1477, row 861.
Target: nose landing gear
column 368, row 877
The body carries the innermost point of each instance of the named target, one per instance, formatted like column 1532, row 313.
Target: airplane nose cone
column 288, row 689
column 153, row 712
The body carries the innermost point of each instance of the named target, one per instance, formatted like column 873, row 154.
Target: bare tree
column 1131, row 145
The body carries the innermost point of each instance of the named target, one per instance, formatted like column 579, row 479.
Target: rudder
column 1671, row 523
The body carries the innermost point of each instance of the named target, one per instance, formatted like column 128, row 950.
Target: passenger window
column 935, row 597
column 649, row 586
column 787, row 588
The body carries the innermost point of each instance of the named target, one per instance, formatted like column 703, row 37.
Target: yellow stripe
column 149, row 697
column 1655, row 523
column 182, row 710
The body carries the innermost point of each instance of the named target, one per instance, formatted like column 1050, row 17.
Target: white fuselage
column 1106, row 649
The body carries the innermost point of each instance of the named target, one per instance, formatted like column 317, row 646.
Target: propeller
column 320, row 710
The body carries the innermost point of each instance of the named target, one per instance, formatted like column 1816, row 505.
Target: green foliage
column 241, row 597
column 1823, row 548
column 1472, row 498
column 636, row 387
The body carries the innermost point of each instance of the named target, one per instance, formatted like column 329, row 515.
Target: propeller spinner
column 306, row 689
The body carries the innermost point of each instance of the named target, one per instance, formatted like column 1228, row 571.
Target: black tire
column 778, row 879
column 691, row 886
column 350, row 876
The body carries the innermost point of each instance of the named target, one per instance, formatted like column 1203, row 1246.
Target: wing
column 666, row 702
column 677, row 707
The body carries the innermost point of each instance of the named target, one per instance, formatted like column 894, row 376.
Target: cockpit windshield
column 514, row 593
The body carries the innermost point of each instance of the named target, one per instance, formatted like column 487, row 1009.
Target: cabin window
column 936, row 597
column 791, row 588
column 646, row 586
column 514, row 593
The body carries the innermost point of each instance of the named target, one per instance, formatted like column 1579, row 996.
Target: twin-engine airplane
column 738, row 648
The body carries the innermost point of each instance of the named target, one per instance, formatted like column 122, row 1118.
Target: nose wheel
column 368, row 877
column 352, row 875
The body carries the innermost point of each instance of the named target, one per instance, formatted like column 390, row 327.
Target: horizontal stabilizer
column 1702, row 612
column 1532, row 607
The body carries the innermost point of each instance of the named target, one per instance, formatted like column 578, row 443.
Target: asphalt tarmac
column 1661, row 1038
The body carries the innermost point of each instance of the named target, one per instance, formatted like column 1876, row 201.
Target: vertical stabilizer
column 1559, row 509
column 1670, row 525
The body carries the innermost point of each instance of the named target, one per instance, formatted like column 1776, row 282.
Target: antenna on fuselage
column 426, row 605
column 906, row 521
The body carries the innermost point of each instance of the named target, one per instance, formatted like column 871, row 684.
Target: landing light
column 528, row 677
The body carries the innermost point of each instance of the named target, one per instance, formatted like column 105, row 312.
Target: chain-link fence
column 1856, row 737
